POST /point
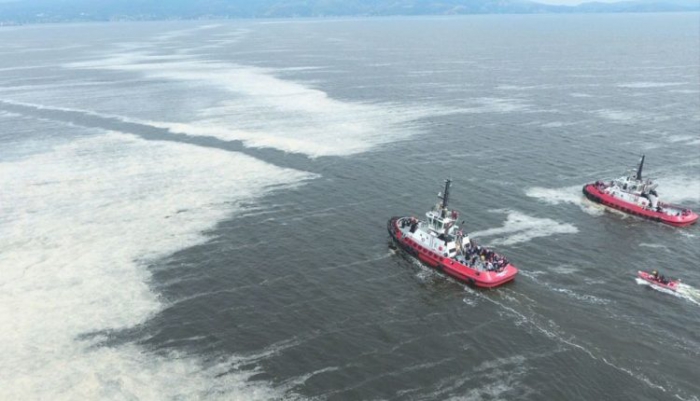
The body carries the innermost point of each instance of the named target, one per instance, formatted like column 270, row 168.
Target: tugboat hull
column 594, row 194
column 448, row 265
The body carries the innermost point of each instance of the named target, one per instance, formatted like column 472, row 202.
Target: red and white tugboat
column 440, row 243
column 638, row 197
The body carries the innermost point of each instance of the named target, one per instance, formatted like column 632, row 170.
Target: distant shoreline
column 10, row 23
column 16, row 13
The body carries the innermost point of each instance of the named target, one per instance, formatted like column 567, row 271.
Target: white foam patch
column 556, row 196
column 621, row 115
column 496, row 379
column 495, row 105
column 564, row 269
column 4, row 113
column 70, row 109
column 519, row 228
column 471, row 301
column 645, row 85
column 571, row 195
column 522, row 87
column 682, row 138
column 557, row 124
column 20, row 68
column 266, row 111
column 587, row 298
column 679, row 189
column 80, row 223
column 685, row 91
column 655, row 246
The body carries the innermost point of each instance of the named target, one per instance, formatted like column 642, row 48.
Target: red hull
column 670, row 285
column 596, row 195
column 484, row 279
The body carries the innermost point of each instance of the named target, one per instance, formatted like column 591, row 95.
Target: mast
column 446, row 195
column 639, row 169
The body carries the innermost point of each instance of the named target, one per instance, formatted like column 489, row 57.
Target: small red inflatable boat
column 659, row 281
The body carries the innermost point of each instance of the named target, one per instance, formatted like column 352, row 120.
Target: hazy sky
column 573, row 2
column 557, row 2
column 560, row 2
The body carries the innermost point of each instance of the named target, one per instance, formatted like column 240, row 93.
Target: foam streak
column 83, row 221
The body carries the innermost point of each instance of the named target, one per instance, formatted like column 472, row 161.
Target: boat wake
column 556, row 196
column 519, row 228
column 689, row 293
column 571, row 195
column 551, row 330
column 587, row 298
column 684, row 291
column 679, row 188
